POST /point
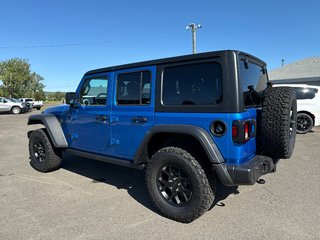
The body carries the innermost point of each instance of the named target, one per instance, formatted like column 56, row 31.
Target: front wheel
column 304, row 123
column 16, row 110
column 178, row 185
column 44, row 157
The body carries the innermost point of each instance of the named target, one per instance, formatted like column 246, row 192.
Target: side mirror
column 70, row 98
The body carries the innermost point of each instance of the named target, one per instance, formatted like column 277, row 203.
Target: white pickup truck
column 35, row 104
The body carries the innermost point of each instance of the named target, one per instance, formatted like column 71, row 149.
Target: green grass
column 48, row 104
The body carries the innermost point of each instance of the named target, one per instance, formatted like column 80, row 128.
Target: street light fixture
column 193, row 27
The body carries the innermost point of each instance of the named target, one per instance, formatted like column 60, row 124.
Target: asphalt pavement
column 87, row 199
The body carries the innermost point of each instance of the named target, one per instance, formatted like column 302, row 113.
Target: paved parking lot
column 86, row 199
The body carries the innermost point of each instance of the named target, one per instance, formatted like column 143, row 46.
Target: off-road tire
column 304, row 123
column 16, row 110
column 202, row 194
column 278, row 122
column 44, row 157
column 38, row 108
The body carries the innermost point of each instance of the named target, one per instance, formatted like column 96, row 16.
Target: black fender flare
column 199, row 133
column 53, row 126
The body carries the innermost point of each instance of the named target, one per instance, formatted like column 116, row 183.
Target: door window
column 94, row 92
column 134, row 88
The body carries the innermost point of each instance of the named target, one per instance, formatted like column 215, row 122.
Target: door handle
column 102, row 118
column 139, row 119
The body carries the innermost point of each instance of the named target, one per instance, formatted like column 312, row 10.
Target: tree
column 56, row 96
column 39, row 96
column 18, row 80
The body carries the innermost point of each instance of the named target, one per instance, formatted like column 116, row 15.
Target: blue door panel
column 130, row 123
column 88, row 131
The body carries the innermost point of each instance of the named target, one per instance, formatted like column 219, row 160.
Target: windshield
column 13, row 100
column 253, row 79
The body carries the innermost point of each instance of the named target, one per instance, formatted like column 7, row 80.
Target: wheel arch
column 164, row 135
column 15, row 106
column 52, row 126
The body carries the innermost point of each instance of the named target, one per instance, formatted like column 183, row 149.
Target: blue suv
column 188, row 121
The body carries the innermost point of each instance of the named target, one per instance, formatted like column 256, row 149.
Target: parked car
column 189, row 121
column 15, row 107
column 28, row 104
column 35, row 104
column 308, row 103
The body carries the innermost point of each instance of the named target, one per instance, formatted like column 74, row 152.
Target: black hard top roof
column 189, row 57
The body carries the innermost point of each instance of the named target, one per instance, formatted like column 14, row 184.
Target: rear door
column 132, row 112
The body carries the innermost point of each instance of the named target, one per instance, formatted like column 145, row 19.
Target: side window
column 134, row 88
column 305, row 93
column 192, row 84
column 94, row 92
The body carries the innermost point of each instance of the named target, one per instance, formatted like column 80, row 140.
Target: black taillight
column 243, row 130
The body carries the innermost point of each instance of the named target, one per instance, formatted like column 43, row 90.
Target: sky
column 63, row 39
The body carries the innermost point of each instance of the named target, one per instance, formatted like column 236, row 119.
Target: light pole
column 193, row 27
column 282, row 60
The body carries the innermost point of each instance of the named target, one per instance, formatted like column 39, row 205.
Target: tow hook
column 261, row 181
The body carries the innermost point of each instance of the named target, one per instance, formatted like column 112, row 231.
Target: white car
column 35, row 104
column 308, row 103
column 15, row 107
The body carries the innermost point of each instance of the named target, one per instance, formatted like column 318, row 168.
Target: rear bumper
column 247, row 173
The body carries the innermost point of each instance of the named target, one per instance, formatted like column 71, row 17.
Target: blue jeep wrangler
column 189, row 121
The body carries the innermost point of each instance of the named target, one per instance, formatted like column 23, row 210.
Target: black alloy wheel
column 304, row 123
column 39, row 150
column 174, row 185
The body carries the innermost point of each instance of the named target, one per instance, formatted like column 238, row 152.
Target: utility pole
column 193, row 27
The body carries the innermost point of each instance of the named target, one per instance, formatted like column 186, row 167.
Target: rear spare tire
column 278, row 122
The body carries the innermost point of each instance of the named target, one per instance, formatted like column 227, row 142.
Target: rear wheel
column 178, row 185
column 44, row 157
column 304, row 123
column 16, row 110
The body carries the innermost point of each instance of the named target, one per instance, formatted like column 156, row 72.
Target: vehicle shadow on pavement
column 126, row 178
column 130, row 179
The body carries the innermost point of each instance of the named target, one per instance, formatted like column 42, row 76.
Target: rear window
column 253, row 79
column 192, row 84
column 305, row 93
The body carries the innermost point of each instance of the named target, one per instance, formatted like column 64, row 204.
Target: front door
column 4, row 106
column 89, row 128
